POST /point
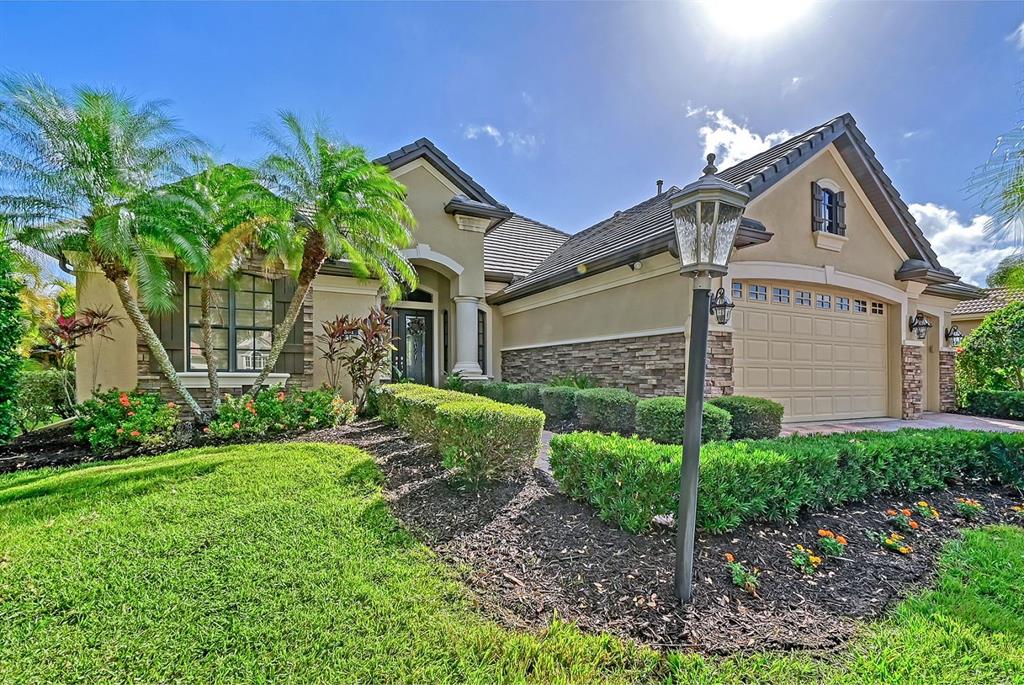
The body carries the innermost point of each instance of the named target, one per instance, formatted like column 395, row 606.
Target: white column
column 466, row 337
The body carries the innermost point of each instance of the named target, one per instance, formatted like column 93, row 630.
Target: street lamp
column 707, row 214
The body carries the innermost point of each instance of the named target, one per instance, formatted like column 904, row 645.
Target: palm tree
column 235, row 215
column 73, row 169
column 348, row 208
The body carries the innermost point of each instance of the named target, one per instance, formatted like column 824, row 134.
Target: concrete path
column 929, row 420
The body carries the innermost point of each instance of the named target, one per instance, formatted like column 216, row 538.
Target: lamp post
column 707, row 214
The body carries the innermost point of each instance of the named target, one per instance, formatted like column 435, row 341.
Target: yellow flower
column 922, row 503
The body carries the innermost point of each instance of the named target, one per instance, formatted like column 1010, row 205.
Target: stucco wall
column 334, row 296
column 786, row 210
column 117, row 367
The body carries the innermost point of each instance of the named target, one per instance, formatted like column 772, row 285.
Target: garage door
column 820, row 352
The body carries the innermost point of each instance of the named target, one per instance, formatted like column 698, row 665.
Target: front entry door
column 414, row 358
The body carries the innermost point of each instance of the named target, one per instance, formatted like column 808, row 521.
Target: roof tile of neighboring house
column 996, row 298
column 650, row 221
column 517, row 245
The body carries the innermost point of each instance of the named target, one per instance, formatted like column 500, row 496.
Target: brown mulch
column 531, row 553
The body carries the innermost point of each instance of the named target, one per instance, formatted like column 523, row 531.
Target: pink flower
column 206, row 429
column 135, row 434
column 123, row 399
column 120, row 430
column 236, row 425
column 171, row 405
column 131, row 413
column 280, row 396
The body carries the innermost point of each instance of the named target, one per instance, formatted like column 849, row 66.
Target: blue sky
column 568, row 112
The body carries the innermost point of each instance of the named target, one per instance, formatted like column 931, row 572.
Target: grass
column 281, row 563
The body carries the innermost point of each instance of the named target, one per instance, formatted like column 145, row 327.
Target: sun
column 754, row 18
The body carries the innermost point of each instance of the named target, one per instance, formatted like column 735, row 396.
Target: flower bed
column 630, row 481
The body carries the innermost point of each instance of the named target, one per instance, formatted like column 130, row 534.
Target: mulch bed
column 529, row 553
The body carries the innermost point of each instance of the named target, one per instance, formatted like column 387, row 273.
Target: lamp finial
column 711, row 169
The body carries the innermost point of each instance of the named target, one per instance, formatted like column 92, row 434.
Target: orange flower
column 729, row 557
column 280, row 396
column 914, row 525
column 825, row 533
column 135, row 434
column 206, row 429
column 123, row 399
column 906, row 512
column 890, row 512
column 171, row 405
column 840, row 539
column 131, row 413
column 119, row 431
column 236, row 425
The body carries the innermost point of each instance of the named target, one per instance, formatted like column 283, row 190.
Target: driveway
column 928, row 420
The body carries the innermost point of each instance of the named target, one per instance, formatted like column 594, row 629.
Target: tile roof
column 651, row 220
column 517, row 245
column 995, row 298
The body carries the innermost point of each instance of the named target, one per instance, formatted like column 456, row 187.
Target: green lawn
column 281, row 563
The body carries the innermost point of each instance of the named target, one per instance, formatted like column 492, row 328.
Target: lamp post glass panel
column 707, row 215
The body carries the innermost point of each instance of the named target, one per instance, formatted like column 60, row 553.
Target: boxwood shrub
column 662, row 419
column 1000, row 404
column 478, row 437
column 558, row 402
column 527, row 394
column 631, row 480
column 606, row 409
column 753, row 418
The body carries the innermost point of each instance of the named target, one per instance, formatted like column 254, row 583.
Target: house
column 969, row 314
column 828, row 270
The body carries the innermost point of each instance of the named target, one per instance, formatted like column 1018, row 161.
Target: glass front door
column 414, row 358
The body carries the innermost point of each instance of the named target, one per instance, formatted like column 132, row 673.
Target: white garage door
column 820, row 352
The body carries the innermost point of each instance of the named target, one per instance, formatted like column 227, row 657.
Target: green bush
column 1000, row 404
column 493, row 390
column 117, row 419
column 753, row 418
column 629, row 480
column 275, row 410
column 484, row 441
column 580, row 381
column 43, row 397
column 527, row 394
column 991, row 357
column 478, row 437
column 558, row 402
column 606, row 409
column 11, row 329
column 662, row 420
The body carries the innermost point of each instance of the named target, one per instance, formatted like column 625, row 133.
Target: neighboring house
column 969, row 313
column 829, row 268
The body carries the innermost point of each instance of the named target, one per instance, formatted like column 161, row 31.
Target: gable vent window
column 828, row 210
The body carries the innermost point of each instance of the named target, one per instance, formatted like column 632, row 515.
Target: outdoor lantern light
column 707, row 215
column 953, row 336
column 920, row 326
column 721, row 307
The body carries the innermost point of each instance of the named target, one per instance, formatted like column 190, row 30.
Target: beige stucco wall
column 428, row 193
column 334, row 296
column 117, row 358
column 620, row 301
column 785, row 209
column 967, row 324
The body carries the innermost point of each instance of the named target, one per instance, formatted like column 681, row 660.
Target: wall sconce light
column 920, row 325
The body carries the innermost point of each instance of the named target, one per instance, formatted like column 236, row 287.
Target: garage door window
column 758, row 293
column 877, row 308
column 860, row 306
column 842, row 304
column 824, row 301
column 780, row 295
column 737, row 290
column 803, row 298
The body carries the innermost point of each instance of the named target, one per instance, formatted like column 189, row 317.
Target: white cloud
column 792, row 85
column 1017, row 37
column 519, row 142
column 732, row 142
column 962, row 247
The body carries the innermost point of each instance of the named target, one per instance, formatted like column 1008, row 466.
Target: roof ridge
column 542, row 224
column 789, row 141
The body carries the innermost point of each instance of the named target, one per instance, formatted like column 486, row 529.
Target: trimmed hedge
column 558, row 402
column 478, row 437
column 999, row 404
column 753, row 418
column 629, row 480
column 527, row 394
column 662, row 419
column 606, row 409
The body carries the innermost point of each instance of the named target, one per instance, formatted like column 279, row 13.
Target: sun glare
column 754, row 18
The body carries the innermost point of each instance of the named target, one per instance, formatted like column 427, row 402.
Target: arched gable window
column 828, row 209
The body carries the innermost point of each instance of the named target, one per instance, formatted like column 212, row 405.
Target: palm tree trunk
column 156, row 348
column 206, row 293
column 314, row 254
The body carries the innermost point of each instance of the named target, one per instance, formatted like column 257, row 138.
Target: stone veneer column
column 911, row 363
column 718, row 380
column 947, row 380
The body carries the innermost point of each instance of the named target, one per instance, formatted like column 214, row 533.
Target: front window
column 243, row 320
column 830, row 210
column 481, row 339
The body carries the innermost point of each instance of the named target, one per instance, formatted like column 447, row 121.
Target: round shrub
column 753, row 418
column 662, row 419
column 275, row 410
column 558, row 402
column 991, row 357
column 117, row 419
column 43, row 395
column 609, row 410
column 494, row 390
column 1000, row 404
